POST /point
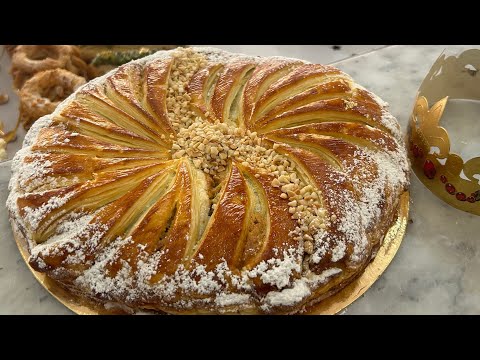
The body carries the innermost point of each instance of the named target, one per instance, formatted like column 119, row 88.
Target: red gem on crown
column 429, row 169
column 450, row 188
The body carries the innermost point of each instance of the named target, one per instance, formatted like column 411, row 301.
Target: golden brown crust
column 230, row 83
column 97, row 126
column 231, row 213
column 264, row 75
column 126, row 86
column 155, row 88
column 189, row 182
column 280, row 224
column 323, row 110
column 297, row 80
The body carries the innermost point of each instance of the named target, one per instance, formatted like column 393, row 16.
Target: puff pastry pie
column 200, row 181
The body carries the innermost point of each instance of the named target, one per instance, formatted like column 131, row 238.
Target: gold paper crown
column 442, row 172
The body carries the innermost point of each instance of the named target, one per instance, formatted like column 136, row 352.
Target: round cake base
column 330, row 306
column 339, row 301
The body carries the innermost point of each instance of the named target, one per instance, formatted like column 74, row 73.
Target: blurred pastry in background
column 41, row 94
column 27, row 60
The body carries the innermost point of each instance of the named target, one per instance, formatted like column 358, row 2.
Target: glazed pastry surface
column 200, row 181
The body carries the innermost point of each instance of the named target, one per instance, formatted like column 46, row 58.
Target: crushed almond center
column 212, row 146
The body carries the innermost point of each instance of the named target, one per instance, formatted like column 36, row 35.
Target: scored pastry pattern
column 201, row 181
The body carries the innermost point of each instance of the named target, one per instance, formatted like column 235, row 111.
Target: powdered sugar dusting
column 371, row 171
column 224, row 299
column 277, row 271
column 33, row 217
column 300, row 290
column 387, row 119
column 290, row 296
column 38, row 125
column 338, row 251
column 70, row 227
column 97, row 280
column 193, row 285
column 192, row 281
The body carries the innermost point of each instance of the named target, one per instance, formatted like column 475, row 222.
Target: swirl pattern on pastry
column 199, row 181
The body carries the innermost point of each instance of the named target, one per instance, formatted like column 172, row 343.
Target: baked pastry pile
column 44, row 76
column 200, row 181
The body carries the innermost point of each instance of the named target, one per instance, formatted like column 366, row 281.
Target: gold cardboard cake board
column 331, row 305
column 443, row 172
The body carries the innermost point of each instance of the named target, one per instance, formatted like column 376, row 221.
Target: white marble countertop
column 437, row 268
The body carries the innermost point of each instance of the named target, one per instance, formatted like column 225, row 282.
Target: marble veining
column 437, row 268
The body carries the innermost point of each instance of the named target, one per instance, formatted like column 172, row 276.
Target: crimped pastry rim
column 332, row 305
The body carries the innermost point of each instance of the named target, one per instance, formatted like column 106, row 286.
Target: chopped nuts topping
column 211, row 146
column 308, row 247
column 185, row 65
